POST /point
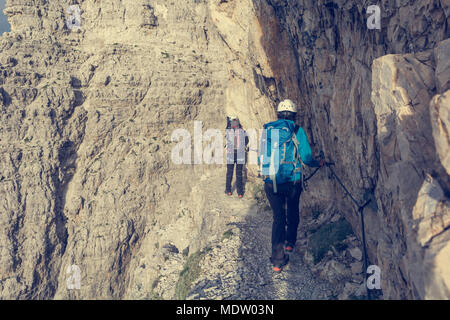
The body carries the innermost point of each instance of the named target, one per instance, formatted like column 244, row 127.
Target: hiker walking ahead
column 283, row 150
column 237, row 141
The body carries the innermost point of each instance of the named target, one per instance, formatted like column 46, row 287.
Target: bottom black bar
column 207, row 309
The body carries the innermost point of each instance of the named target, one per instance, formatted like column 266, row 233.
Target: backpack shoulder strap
column 296, row 142
column 297, row 154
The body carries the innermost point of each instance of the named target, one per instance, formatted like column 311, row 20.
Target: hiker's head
column 234, row 122
column 287, row 110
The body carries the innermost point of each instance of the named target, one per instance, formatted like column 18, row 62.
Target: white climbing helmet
column 287, row 105
column 232, row 117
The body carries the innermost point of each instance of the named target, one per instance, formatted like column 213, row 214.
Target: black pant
column 239, row 179
column 284, row 228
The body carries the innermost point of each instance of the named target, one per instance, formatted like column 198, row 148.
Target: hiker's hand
column 321, row 163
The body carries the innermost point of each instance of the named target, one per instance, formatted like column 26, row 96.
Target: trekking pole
column 361, row 213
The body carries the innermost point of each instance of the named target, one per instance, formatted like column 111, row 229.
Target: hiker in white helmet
column 283, row 151
column 237, row 141
column 289, row 106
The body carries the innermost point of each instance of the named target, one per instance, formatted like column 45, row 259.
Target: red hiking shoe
column 289, row 248
column 278, row 267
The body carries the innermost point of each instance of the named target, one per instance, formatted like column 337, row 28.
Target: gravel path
column 238, row 266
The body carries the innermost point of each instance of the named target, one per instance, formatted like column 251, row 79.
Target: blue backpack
column 280, row 159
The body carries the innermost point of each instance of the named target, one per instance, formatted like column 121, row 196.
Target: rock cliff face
column 86, row 176
column 367, row 96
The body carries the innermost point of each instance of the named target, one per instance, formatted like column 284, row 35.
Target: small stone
column 336, row 217
column 356, row 253
column 308, row 257
column 209, row 289
column 356, row 267
column 361, row 290
column 349, row 290
column 335, row 270
column 193, row 296
column 170, row 248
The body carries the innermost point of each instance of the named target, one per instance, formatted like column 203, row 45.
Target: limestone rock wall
column 366, row 96
column 87, row 117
